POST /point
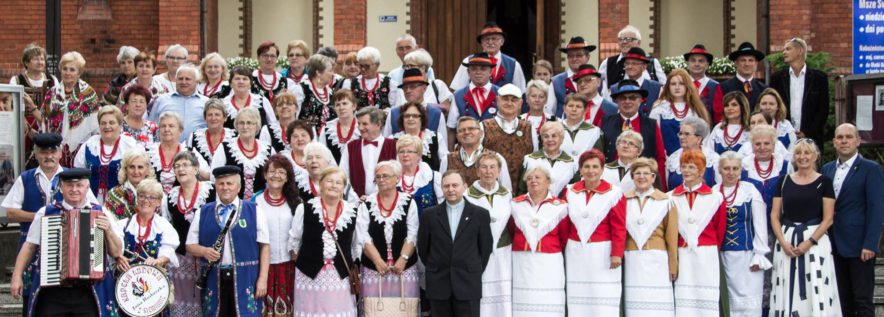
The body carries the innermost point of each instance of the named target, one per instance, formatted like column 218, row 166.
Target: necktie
column 479, row 97
column 589, row 106
column 697, row 84
column 627, row 125
column 222, row 215
column 747, row 87
column 367, row 142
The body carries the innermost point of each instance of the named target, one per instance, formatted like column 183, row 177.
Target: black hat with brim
column 489, row 29
column 478, row 59
column 586, row 70
column 746, row 48
column 74, row 174
column 226, row 170
column 627, row 86
column 577, row 43
column 47, row 141
column 699, row 49
column 637, row 53
column 413, row 75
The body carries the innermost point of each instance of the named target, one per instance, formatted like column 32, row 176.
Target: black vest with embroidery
column 376, row 232
column 312, row 109
column 259, row 183
column 380, row 97
column 181, row 225
column 282, row 85
column 310, row 255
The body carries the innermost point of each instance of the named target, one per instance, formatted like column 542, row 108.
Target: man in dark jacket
column 454, row 243
column 746, row 59
column 805, row 92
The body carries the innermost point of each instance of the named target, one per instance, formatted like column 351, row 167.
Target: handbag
column 390, row 306
column 352, row 270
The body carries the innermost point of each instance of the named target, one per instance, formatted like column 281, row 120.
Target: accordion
column 71, row 248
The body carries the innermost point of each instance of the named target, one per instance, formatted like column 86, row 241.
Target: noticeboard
column 12, row 153
column 868, row 36
column 864, row 106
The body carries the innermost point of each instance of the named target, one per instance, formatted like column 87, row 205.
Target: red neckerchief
column 486, row 102
column 209, row 93
column 498, row 71
column 371, row 91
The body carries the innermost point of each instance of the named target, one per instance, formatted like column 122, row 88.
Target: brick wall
column 826, row 28
column 613, row 16
column 349, row 25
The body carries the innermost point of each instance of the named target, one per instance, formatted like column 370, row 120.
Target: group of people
column 595, row 192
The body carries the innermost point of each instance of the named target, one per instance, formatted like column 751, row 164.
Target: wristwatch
column 812, row 240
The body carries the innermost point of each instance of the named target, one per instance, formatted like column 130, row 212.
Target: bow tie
column 479, row 90
column 367, row 142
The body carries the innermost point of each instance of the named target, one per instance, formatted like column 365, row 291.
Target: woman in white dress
column 701, row 225
column 580, row 135
column 619, row 172
column 594, row 254
column 319, row 226
column 540, row 228
column 561, row 165
column 803, row 208
column 536, row 98
column 497, row 280
column 745, row 240
column 651, row 263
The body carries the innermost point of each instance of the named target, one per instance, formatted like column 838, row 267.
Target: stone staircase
column 879, row 286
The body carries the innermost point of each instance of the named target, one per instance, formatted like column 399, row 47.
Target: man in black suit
column 454, row 242
column 805, row 92
column 746, row 59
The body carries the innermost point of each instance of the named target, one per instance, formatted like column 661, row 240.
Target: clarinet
column 219, row 243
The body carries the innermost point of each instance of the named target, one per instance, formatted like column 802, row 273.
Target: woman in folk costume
column 701, row 226
column 266, row 81
column 497, row 280
column 693, row 132
column 562, row 166
column 731, row 134
column 147, row 238
column 136, row 100
column 771, row 103
column 745, row 240
column 102, row 153
column 145, row 69
column 678, row 101
column 285, row 107
column 279, row 202
column 618, row 173
column 207, row 141
column 317, row 92
column 297, row 53
column 387, row 235
column 183, row 202
column 417, row 178
column 414, row 121
column 247, row 152
column 341, row 130
column 317, row 158
column 321, row 240
column 540, row 227
column 242, row 98
column 162, row 153
column 580, row 135
column 757, row 118
column 371, row 87
column 536, row 96
column 651, row 263
column 125, row 59
column 122, row 199
column 70, row 108
column 213, row 76
column 593, row 257
column 803, row 270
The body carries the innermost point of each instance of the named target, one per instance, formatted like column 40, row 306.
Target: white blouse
column 363, row 219
column 159, row 226
column 424, row 176
column 279, row 222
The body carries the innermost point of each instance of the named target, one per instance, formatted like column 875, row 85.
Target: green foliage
column 251, row 63
column 818, row 60
column 720, row 65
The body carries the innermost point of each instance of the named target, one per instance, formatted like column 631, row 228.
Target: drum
column 143, row 291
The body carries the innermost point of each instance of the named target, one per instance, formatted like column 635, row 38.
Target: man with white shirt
column 588, row 82
column 698, row 61
column 612, row 68
column 478, row 99
column 563, row 84
column 362, row 155
column 240, row 275
column 505, row 69
column 405, row 44
column 634, row 63
column 856, row 230
column 805, row 91
column 185, row 101
column 746, row 59
column 507, row 134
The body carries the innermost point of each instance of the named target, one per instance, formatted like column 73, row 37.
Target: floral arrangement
column 720, row 65
column 251, row 63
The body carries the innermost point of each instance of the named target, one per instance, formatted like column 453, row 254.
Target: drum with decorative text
column 143, row 291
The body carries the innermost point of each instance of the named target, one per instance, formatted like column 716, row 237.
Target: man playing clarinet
column 71, row 297
column 231, row 236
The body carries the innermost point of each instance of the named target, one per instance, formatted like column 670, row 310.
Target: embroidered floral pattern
column 82, row 103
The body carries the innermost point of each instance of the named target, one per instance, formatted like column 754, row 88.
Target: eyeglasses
column 627, row 39
column 407, row 152
column 411, row 116
column 147, row 198
column 467, row 129
column 269, row 56
column 176, row 58
column 686, row 134
column 296, row 55
column 365, row 66
column 642, row 174
column 628, row 143
column 181, row 165
column 383, row 177
column 277, row 172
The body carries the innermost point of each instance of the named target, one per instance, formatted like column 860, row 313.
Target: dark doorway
column 518, row 18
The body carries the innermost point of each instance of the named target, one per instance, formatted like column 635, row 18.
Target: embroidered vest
column 739, row 233
column 513, row 147
column 376, row 232
column 380, row 97
column 310, row 256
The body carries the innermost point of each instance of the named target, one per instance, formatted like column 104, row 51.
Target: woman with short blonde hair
column 103, row 152
column 213, row 76
column 122, row 199
column 71, row 109
column 246, row 152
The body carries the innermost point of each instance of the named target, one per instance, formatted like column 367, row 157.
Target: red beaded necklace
column 265, row 85
column 766, row 172
column 233, row 102
column 273, row 202
column 387, row 212
column 292, row 154
column 341, row 139
column 107, row 158
column 330, row 225
column 182, row 208
column 142, row 238
column 409, row 188
column 323, row 97
column 731, row 141
column 167, row 167
column 730, row 198
column 312, row 188
column 245, row 153
column 209, row 141
column 679, row 114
